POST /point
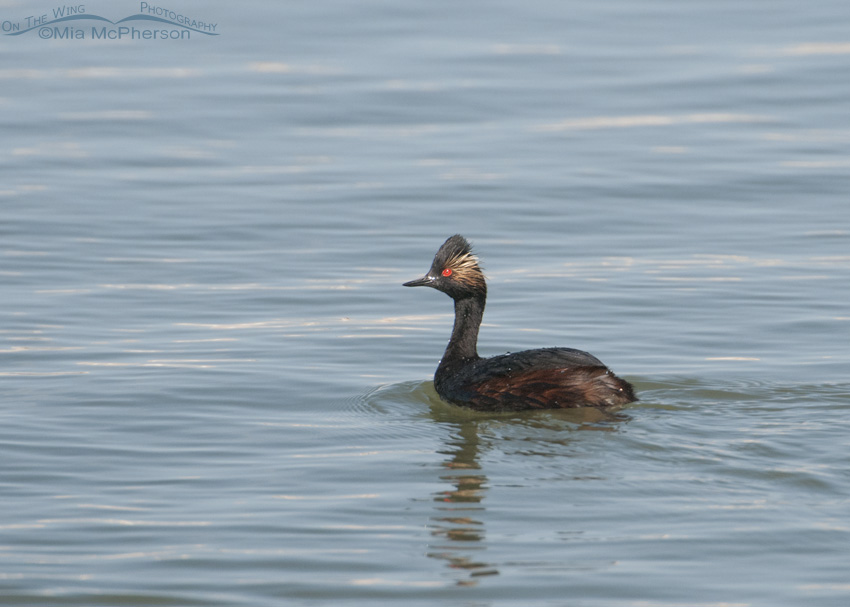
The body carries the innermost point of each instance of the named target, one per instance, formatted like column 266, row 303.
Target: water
column 216, row 392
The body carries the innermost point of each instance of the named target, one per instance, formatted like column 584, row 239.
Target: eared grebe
column 549, row 378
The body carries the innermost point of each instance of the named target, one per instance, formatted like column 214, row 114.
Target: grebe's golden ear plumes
column 456, row 253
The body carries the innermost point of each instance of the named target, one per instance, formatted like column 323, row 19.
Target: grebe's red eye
column 447, row 272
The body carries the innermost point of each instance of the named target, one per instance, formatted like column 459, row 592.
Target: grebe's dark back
column 549, row 378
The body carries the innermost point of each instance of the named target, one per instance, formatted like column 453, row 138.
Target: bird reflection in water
column 459, row 522
column 459, row 508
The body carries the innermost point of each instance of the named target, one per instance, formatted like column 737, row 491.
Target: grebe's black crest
column 534, row 379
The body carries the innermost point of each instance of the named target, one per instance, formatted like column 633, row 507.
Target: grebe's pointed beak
column 425, row 281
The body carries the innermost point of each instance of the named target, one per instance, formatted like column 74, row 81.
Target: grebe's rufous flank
column 548, row 378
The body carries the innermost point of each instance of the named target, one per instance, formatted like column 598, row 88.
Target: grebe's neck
column 464, row 341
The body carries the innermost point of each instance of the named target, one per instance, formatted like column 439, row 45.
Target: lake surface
column 216, row 392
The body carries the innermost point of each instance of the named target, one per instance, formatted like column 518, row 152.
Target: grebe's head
column 455, row 271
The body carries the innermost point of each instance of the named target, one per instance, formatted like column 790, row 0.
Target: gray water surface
column 215, row 390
